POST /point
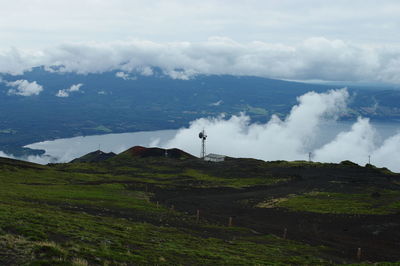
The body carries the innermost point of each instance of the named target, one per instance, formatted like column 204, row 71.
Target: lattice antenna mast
column 203, row 137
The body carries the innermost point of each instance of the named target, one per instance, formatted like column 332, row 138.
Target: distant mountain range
column 71, row 104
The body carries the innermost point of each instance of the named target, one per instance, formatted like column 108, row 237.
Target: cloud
column 301, row 132
column 39, row 159
column 2, row 154
column 287, row 21
column 357, row 144
column 218, row 103
column 16, row 61
column 65, row 150
column 311, row 59
column 304, row 130
column 124, row 76
column 146, row 71
column 75, row 87
column 141, row 70
column 278, row 139
column 65, row 92
column 62, row 93
column 24, row 88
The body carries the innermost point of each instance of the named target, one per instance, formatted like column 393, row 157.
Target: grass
column 103, row 129
column 214, row 181
column 105, row 213
column 48, row 216
column 386, row 202
column 8, row 131
column 95, row 238
column 257, row 110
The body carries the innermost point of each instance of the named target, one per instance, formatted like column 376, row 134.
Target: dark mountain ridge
column 95, row 156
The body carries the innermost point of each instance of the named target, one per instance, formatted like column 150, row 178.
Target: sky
column 324, row 40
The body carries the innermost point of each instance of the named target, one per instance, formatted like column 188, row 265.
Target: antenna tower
column 203, row 137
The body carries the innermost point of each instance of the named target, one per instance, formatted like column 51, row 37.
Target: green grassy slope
column 142, row 211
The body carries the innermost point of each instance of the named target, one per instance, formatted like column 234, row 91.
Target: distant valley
column 73, row 104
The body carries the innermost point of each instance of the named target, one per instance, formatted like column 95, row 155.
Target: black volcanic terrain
column 149, row 206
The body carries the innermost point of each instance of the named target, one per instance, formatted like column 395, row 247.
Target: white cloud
column 312, row 59
column 294, row 137
column 147, row 71
column 302, row 40
column 141, row 70
column 62, row 93
column 124, row 76
column 356, row 144
column 36, row 23
column 218, row 103
column 65, row 92
column 75, row 87
column 40, row 159
column 5, row 155
column 24, row 88
column 277, row 139
column 65, row 150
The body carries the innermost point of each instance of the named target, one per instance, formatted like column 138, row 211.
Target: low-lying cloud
column 295, row 136
column 304, row 130
column 315, row 58
column 66, row 92
column 24, row 88
column 40, row 159
column 124, row 76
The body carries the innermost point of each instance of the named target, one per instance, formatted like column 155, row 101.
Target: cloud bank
column 312, row 59
column 37, row 23
column 294, row 137
column 24, row 88
column 304, row 130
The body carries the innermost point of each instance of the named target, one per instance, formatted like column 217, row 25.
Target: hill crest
column 142, row 152
column 95, row 156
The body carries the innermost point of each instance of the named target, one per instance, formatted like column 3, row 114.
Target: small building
column 214, row 157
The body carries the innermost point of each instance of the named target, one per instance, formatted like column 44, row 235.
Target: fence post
column 230, row 222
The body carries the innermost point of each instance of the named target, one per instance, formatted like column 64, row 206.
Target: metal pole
column 203, row 144
column 203, row 147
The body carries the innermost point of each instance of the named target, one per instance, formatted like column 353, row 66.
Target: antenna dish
column 202, row 135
